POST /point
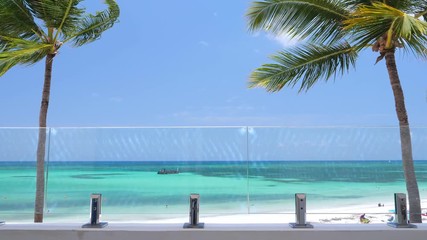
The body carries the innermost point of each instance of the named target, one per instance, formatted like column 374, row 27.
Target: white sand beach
column 343, row 215
column 339, row 215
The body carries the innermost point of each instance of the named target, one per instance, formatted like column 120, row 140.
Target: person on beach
column 363, row 219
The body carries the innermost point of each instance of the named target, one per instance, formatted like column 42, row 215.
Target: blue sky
column 186, row 63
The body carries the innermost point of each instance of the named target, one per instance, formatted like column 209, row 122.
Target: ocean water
column 135, row 190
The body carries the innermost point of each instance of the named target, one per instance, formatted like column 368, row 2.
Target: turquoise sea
column 133, row 188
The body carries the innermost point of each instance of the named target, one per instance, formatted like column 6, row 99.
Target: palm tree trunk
column 405, row 139
column 41, row 147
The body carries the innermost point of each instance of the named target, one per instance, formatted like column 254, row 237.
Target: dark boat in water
column 168, row 171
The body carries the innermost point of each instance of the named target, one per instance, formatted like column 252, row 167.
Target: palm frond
column 371, row 22
column 408, row 26
column 91, row 27
column 416, row 45
column 305, row 65
column 404, row 5
column 317, row 20
column 57, row 14
column 22, row 53
column 16, row 46
column 421, row 9
column 16, row 41
column 64, row 21
column 357, row 2
column 418, row 8
column 16, row 20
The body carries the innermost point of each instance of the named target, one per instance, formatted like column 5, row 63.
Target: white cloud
column 283, row 39
column 204, row 43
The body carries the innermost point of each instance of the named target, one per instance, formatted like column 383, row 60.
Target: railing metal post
column 194, row 212
column 300, row 212
column 401, row 213
column 95, row 212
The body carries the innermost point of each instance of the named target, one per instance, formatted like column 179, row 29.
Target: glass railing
column 147, row 174
column 17, row 173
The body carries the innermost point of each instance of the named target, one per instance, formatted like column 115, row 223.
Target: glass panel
column 123, row 165
column 18, row 148
column 345, row 172
column 419, row 150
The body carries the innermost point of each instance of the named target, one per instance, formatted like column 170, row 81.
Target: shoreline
column 340, row 215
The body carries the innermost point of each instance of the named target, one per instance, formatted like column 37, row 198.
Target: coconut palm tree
column 332, row 33
column 32, row 30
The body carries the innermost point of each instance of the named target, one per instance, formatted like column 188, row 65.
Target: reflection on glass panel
column 146, row 171
column 17, row 173
column 146, row 174
column 342, row 170
column 419, row 149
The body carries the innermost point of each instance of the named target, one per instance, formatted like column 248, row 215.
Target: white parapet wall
column 122, row 231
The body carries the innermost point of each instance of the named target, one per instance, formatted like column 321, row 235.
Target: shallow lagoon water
column 226, row 187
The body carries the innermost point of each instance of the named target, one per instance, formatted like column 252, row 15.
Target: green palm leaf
column 384, row 24
column 306, row 64
column 57, row 14
column 21, row 52
column 318, row 20
column 91, row 27
column 405, row 5
column 371, row 22
column 17, row 21
column 22, row 41
column 416, row 45
column 419, row 7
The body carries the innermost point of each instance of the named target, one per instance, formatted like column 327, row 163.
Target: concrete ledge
column 122, row 231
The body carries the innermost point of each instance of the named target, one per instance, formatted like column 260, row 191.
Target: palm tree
column 31, row 30
column 332, row 33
